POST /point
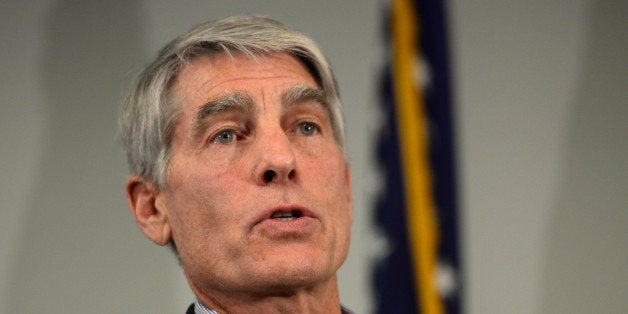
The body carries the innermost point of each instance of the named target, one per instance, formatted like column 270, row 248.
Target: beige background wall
column 541, row 101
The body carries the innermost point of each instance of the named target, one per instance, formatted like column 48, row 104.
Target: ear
column 150, row 217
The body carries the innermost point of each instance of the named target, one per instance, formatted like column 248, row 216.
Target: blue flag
column 417, row 208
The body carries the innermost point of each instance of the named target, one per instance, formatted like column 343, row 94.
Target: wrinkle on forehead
column 205, row 67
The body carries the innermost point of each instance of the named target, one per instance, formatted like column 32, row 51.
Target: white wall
column 542, row 120
column 68, row 245
column 540, row 90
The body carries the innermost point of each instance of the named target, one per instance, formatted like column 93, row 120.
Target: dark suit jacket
column 191, row 310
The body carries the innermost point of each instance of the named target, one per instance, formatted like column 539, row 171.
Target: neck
column 320, row 298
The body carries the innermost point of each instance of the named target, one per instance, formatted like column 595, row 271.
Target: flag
column 416, row 210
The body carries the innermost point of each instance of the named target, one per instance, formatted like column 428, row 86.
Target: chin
column 287, row 273
column 290, row 283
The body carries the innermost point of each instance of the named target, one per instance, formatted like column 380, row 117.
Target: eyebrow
column 232, row 102
column 301, row 94
column 243, row 102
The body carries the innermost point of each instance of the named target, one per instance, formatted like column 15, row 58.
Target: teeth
column 281, row 215
column 291, row 215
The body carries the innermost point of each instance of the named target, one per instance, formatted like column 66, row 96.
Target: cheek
column 332, row 187
column 196, row 199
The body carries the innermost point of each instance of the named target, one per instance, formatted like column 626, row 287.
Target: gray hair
column 149, row 111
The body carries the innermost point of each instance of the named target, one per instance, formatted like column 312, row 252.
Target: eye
column 225, row 137
column 307, row 128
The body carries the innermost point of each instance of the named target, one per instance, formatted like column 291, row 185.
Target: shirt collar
column 199, row 308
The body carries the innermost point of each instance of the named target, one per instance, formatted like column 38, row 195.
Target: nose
column 277, row 162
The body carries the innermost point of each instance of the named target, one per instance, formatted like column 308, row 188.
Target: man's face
column 258, row 194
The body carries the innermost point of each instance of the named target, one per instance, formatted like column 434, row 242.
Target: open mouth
column 286, row 215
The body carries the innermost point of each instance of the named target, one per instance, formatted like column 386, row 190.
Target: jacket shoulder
column 190, row 309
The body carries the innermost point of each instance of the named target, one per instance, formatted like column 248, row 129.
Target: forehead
column 210, row 76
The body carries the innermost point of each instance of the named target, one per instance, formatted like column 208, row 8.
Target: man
column 235, row 143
